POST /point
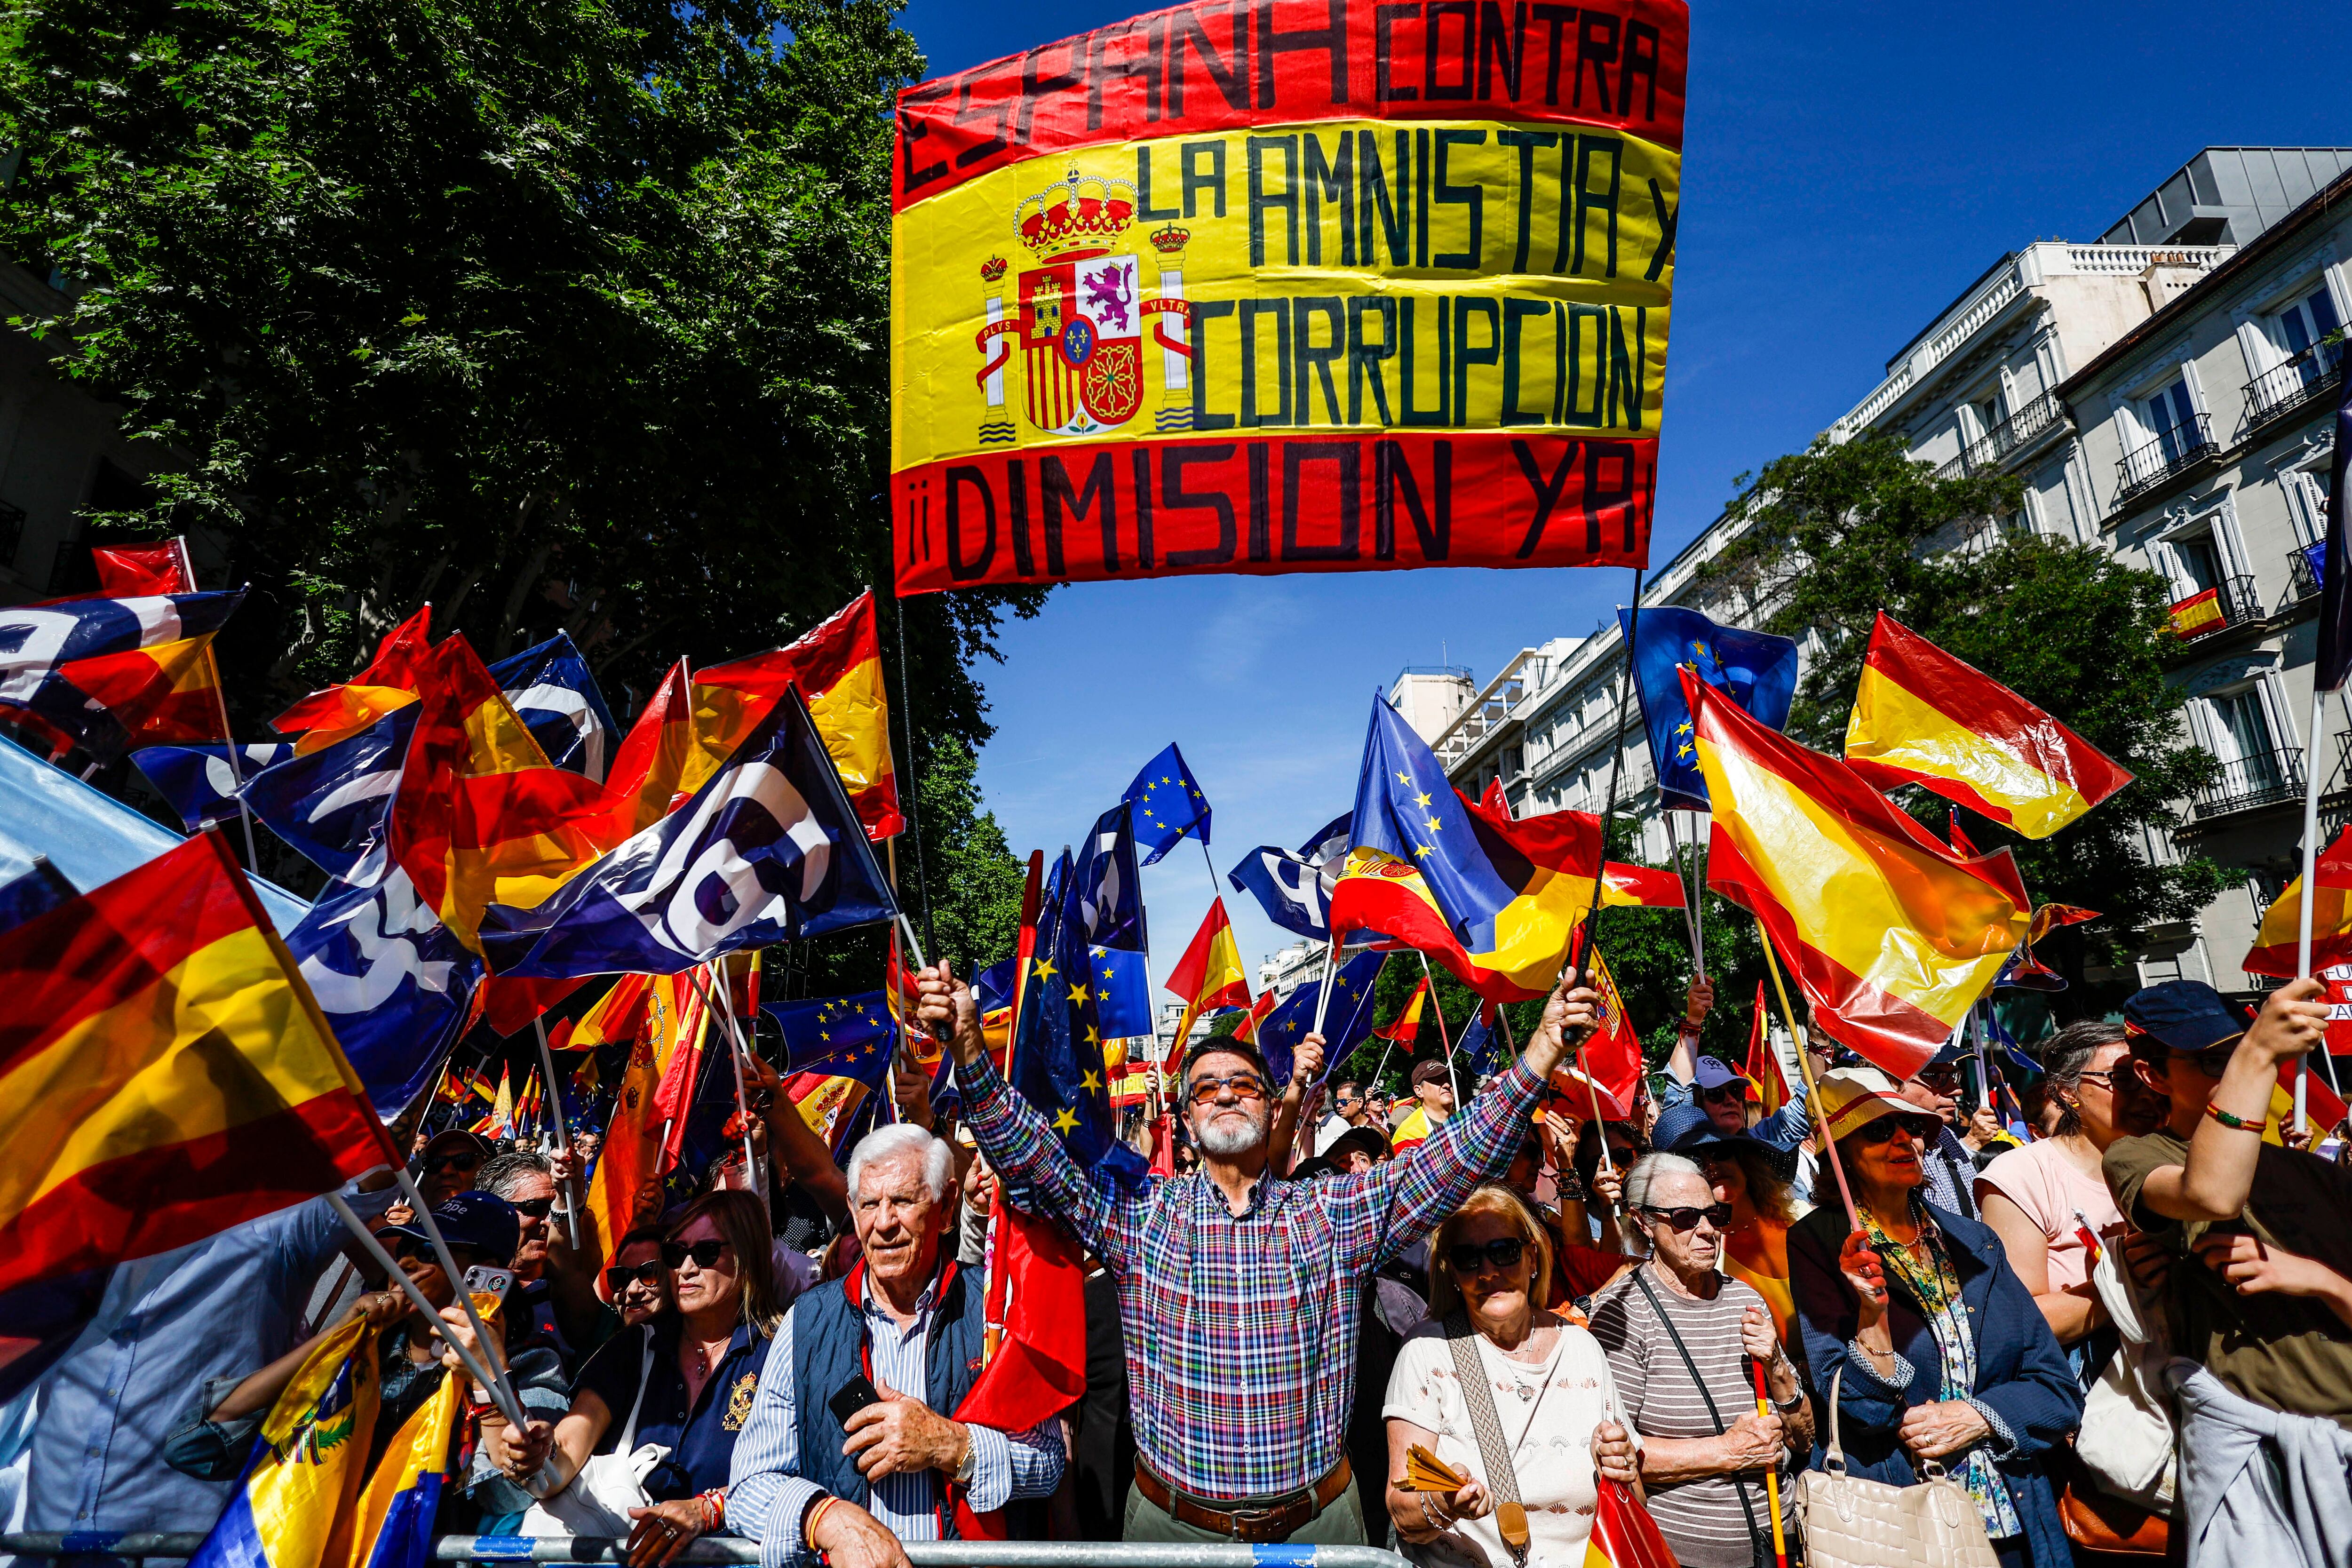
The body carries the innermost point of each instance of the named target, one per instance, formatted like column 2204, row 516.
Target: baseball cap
column 1371, row 1140
column 452, row 1140
column 2185, row 1016
column 1431, row 1071
column 1713, row 1072
column 483, row 1221
column 1855, row 1097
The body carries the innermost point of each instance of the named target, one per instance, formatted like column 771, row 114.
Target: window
column 2173, row 418
column 1987, row 414
column 2304, row 322
column 2241, row 739
column 2200, row 563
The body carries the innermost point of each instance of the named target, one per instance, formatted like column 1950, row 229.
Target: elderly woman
column 683, row 1381
column 1744, row 1173
column 1683, row 1342
column 1555, row 1420
column 1933, row 1341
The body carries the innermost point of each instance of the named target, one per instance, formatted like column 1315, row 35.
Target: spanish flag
column 1922, row 717
column 649, row 771
column 166, row 695
column 1623, row 1534
column 1763, row 1066
column 1891, row 937
column 1609, row 1060
column 165, row 1073
column 390, row 681
column 838, row 667
column 1210, row 973
column 627, row 1180
column 2196, row 614
column 1406, row 1026
column 2276, row 943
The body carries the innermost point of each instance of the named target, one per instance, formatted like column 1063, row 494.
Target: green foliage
column 1838, row 532
column 556, row 316
column 974, row 878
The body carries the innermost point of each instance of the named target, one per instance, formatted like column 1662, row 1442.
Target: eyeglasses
column 706, row 1253
column 1244, row 1086
column 617, row 1279
column 1686, row 1216
column 464, row 1160
column 2214, row 1060
column 1939, row 1079
column 1920, row 1128
column 2098, row 1074
column 408, row 1248
column 533, row 1208
column 1721, row 1091
column 1470, row 1257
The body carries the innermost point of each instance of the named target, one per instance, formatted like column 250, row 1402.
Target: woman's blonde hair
column 741, row 1221
column 1445, row 1296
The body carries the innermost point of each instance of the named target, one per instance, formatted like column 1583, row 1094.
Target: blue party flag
column 769, row 849
column 199, row 782
column 1057, row 1048
column 1288, row 887
column 556, row 698
column 1755, row 669
column 1105, row 886
column 330, row 806
column 835, row 1035
column 1406, row 808
column 1168, row 805
column 2334, row 654
column 1347, row 1023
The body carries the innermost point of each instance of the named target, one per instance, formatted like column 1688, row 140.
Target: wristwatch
column 964, row 1466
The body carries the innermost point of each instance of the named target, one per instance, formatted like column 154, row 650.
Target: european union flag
column 1106, row 889
column 1058, row 1048
column 1122, row 982
column 1755, row 669
column 848, row 1037
column 1168, row 805
column 1405, row 808
column 1481, row 1043
column 1347, row 1023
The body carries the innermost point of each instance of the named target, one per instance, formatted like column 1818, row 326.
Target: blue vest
column 829, row 1349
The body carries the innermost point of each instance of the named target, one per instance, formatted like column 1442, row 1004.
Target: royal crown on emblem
column 993, row 269
column 1168, row 238
column 1078, row 211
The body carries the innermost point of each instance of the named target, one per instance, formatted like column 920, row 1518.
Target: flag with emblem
column 2273, row 952
column 1168, row 805
column 1058, row 1061
column 1346, row 1022
column 834, row 1031
column 1610, row 1058
column 291, row 1508
column 1105, row 884
column 1209, row 975
column 1755, row 669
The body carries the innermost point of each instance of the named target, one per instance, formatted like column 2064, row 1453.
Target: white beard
column 1217, row 1136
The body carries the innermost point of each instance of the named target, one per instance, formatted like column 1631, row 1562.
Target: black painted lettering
column 1596, row 49
column 1466, row 306
column 1599, row 496
column 1034, row 86
column 1472, row 196
column 1434, row 48
column 1196, row 331
column 1229, row 70
column 960, row 570
column 1393, row 213
column 1143, row 456
column 1383, row 19
column 1365, row 356
column 1261, row 507
column 1421, row 199
column 1251, row 310
column 1588, row 149
column 1332, row 180
column 1143, row 207
column 1669, row 219
column 1515, row 311
column 1545, row 491
column 1315, row 358
column 1263, row 200
column 1393, row 478
column 1407, row 345
column 912, row 129
column 1056, row 496
column 1173, row 496
column 1344, row 456
column 1188, row 157
column 1641, row 60
column 1526, row 142
column 1499, row 50
column 1328, row 40
column 1553, row 18
column 1016, row 516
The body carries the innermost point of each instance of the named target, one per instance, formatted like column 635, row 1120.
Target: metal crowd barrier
column 731, row 1549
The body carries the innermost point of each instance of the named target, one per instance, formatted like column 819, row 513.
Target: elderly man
column 1237, row 1292
column 907, row 1319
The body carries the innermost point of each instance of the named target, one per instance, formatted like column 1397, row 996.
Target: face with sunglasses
column 1683, row 1222
column 1885, row 1151
column 1229, row 1104
column 638, row 1282
column 447, row 1169
column 1937, row 1089
column 1490, row 1262
column 703, row 1272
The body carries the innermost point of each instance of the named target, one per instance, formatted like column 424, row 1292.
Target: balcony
column 2175, row 452
column 2230, row 603
column 2305, row 568
column 2014, row 435
column 2311, row 377
column 2267, row 778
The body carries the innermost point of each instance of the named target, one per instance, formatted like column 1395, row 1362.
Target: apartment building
column 2049, row 366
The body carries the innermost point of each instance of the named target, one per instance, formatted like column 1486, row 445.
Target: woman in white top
column 1554, row 1400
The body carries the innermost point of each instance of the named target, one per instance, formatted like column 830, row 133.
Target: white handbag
column 598, row 1501
column 1849, row 1523
column 2127, row 1441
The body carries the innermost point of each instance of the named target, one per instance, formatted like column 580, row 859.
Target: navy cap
column 2185, row 1016
column 483, row 1221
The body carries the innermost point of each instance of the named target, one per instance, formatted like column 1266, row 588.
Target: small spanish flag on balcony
column 1922, row 717
column 2197, row 613
column 165, row 1073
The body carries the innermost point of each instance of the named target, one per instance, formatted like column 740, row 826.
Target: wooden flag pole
column 1805, row 1066
column 2310, row 871
column 1771, row 1474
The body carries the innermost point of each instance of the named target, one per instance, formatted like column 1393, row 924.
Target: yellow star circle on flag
column 1065, row 1121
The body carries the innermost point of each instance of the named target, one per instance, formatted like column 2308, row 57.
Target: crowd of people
column 1697, row 1305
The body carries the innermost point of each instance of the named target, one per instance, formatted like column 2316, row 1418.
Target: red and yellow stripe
column 1923, row 717
column 390, row 682
column 168, row 694
column 1894, row 938
column 2277, row 941
column 165, row 1073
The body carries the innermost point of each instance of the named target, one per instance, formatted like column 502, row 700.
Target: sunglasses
column 1939, row 1079
column 534, row 1208
column 2214, row 1060
column 1686, row 1216
column 1920, row 1128
column 1470, row 1257
column 436, row 1163
column 409, row 1248
column 617, row 1279
column 706, row 1254
column 1721, row 1091
column 1244, row 1086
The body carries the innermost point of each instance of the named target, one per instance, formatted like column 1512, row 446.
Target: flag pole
column 2310, row 868
column 511, row 1403
column 1445, row 1041
column 1772, row 1473
column 1675, row 853
column 220, row 700
column 508, row 1406
column 563, row 1133
column 1616, row 769
column 1805, row 1066
column 1323, row 996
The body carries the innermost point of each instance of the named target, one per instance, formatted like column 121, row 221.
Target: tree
column 566, row 316
column 1830, row 536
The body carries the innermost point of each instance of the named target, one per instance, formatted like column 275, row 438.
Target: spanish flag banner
column 648, row 777
column 2276, row 940
column 1292, row 286
column 1610, row 1062
column 165, row 695
column 1406, row 1026
column 626, row 1185
column 1210, row 974
column 389, row 682
column 1892, row 936
column 1766, row 1081
column 2196, row 614
column 1923, row 717
column 165, row 1073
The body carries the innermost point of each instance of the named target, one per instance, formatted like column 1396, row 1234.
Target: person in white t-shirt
column 1554, row 1398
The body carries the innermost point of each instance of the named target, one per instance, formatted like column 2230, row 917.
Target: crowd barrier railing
column 726, row 1548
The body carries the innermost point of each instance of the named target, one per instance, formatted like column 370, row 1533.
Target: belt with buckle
column 1255, row 1520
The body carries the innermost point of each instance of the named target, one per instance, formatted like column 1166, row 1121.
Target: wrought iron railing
column 2176, row 451
column 2020, row 429
column 2304, row 571
column 2266, row 778
column 2307, row 378
column 2228, row 602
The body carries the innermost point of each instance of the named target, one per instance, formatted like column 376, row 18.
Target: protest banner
column 1287, row 286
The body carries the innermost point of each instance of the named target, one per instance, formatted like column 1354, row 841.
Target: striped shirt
column 1702, row 1520
column 1241, row 1330
column 766, row 1498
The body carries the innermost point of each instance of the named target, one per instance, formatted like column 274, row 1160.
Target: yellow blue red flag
column 308, row 1462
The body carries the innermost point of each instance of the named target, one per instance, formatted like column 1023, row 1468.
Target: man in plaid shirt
column 1238, row 1295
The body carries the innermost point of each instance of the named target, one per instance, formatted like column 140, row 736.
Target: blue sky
column 1848, row 170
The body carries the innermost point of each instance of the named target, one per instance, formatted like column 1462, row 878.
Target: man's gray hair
column 502, row 1175
column 1649, row 1168
column 904, row 1137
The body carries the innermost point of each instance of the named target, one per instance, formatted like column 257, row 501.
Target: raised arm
column 791, row 1140
column 2220, row 1169
column 1019, row 1146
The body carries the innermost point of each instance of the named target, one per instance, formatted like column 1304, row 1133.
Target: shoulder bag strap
column 1740, row 1486
column 1494, row 1448
column 628, row 1444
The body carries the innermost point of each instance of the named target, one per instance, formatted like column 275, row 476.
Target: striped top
column 1702, row 1520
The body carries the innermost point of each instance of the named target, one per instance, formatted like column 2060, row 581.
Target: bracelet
column 1428, row 1518
column 2234, row 1123
column 809, row 1524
